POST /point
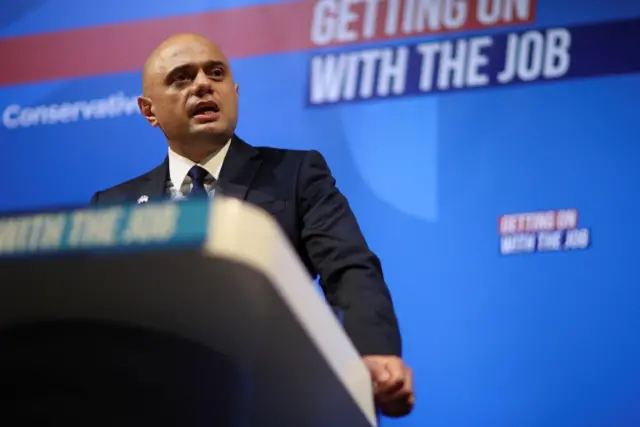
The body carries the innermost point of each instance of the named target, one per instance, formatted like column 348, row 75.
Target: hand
column 392, row 384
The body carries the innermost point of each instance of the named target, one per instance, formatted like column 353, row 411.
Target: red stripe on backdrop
column 254, row 30
column 242, row 32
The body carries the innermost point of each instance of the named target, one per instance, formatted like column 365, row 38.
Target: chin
column 211, row 127
column 210, row 131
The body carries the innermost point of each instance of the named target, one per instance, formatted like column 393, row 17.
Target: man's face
column 190, row 91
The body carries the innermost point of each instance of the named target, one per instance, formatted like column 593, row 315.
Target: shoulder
column 126, row 186
column 303, row 170
column 124, row 191
column 273, row 154
column 278, row 157
column 292, row 158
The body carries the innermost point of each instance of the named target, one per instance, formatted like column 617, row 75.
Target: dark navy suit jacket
column 297, row 188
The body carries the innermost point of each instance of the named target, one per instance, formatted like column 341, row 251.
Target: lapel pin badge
column 143, row 199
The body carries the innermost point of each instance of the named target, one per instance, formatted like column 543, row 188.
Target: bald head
column 164, row 56
column 188, row 91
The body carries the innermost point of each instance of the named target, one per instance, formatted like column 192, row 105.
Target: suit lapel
column 154, row 185
column 239, row 168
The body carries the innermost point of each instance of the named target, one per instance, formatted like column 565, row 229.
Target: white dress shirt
column 179, row 184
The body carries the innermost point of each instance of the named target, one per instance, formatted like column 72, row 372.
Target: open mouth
column 206, row 109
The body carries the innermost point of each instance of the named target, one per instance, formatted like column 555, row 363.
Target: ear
column 146, row 108
column 237, row 87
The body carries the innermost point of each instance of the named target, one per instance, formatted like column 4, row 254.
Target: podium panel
column 218, row 330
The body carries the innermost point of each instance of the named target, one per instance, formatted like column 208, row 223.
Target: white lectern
column 192, row 314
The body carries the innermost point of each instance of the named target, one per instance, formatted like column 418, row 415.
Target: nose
column 203, row 84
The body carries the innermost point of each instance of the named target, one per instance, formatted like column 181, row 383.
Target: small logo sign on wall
column 545, row 231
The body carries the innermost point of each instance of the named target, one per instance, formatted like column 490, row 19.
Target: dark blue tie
column 197, row 174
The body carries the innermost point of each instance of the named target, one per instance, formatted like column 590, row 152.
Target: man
column 189, row 93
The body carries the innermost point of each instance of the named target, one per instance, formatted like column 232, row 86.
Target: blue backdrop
column 432, row 147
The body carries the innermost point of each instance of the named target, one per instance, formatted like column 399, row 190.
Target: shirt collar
column 179, row 166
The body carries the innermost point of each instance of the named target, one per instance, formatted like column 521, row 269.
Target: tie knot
column 197, row 174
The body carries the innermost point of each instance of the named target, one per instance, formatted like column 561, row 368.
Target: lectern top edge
column 246, row 234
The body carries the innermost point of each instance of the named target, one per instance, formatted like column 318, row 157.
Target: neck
column 196, row 151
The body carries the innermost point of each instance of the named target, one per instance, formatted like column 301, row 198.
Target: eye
column 181, row 77
column 217, row 72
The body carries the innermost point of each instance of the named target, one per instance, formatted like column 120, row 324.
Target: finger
column 399, row 405
column 403, row 392
column 378, row 372
column 396, row 369
column 396, row 378
column 409, row 381
column 407, row 389
column 397, row 408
